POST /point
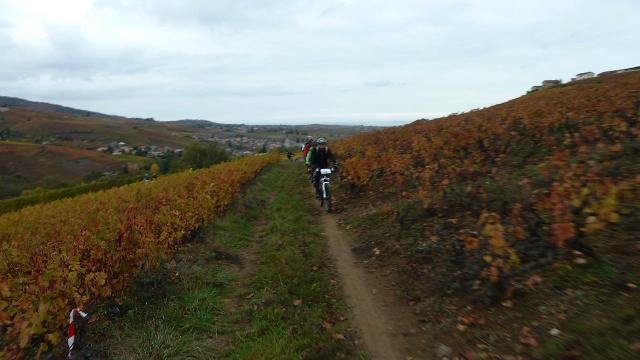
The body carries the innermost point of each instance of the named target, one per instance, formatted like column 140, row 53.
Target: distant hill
column 24, row 124
column 7, row 101
column 41, row 141
column 27, row 120
column 193, row 123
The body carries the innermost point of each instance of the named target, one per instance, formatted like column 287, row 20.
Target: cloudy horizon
column 284, row 61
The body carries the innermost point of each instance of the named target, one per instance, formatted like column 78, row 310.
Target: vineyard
column 483, row 197
column 70, row 253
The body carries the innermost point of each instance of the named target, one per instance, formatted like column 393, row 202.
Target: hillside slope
column 26, row 165
column 8, row 101
column 37, row 161
column 89, row 132
column 525, row 203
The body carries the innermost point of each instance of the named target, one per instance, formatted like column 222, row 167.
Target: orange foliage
column 570, row 151
column 68, row 253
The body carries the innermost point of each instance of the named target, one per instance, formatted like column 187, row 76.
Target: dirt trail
column 386, row 328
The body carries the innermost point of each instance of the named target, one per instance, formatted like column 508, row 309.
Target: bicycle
column 324, row 187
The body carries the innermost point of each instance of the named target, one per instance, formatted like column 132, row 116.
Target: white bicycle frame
column 324, row 181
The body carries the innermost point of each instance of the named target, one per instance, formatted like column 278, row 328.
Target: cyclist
column 307, row 145
column 319, row 157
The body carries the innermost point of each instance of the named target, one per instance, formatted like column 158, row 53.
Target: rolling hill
column 26, row 165
column 8, row 101
column 57, row 143
column 38, row 122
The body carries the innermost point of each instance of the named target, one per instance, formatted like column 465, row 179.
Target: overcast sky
column 311, row 61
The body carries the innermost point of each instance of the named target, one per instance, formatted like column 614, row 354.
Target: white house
column 619, row 71
column 584, row 75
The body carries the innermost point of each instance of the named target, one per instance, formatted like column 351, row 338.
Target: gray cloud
column 339, row 60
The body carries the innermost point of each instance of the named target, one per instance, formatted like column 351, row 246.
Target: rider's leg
column 316, row 182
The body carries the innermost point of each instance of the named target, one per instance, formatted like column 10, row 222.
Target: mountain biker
column 319, row 157
column 307, row 145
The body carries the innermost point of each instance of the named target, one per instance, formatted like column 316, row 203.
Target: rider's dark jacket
column 319, row 157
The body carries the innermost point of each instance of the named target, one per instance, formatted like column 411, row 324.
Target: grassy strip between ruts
column 256, row 284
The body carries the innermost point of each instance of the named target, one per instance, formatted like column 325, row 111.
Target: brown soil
column 386, row 324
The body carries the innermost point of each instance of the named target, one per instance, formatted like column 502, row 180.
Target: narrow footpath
column 274, row 278
column 373, row 321
column 387, row 326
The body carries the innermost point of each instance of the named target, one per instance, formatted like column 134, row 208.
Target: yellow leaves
column 100, row 278
column 497, row 240
column 493, row 230
column 612, row 217
column 155, row 169
column 592, row 224
column 105, row 291
column 600, row 207
column 53, row 338
column 514, row 259
column 576, row 202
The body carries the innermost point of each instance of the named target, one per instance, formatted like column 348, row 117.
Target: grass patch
column 296, row 311
column 573, row 276
column 203, row 305
column 603, row 329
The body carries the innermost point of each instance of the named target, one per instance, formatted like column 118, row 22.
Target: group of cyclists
column 317, row 155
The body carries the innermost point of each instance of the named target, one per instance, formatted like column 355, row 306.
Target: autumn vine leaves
column 68, row 253
column 552, row 167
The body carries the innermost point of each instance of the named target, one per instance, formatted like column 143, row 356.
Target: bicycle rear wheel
column 327, row 198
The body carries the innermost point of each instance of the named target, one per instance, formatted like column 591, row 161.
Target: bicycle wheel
column 327, row 200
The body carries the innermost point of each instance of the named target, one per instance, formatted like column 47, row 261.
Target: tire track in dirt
column 376, row 313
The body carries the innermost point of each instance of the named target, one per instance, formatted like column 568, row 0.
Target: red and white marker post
column 71, row 334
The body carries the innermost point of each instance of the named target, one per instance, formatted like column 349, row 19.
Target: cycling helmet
column 321, row 141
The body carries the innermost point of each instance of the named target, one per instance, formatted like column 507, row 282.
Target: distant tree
column 155, row 169
column 197, row 155
column 263, row 149
column 170, row 163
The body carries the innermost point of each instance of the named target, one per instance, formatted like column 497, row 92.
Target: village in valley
column 236, row 139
